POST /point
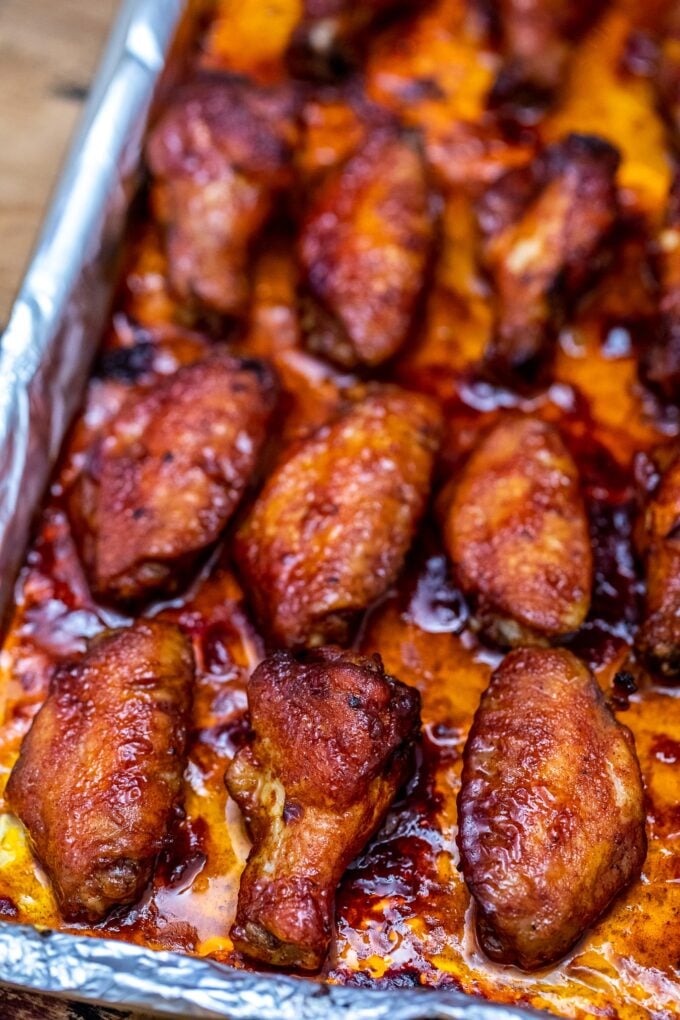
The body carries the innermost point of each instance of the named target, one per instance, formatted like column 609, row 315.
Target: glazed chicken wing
column 330, row 530
column 669, row 71
column 659, row 636
column 218, row 157
column 364, row 248
column 162, row 485
column 551, row 808
column 517, row 533
column 544, row 226
column 100, row 771
column 332, row 736
column 660, row 362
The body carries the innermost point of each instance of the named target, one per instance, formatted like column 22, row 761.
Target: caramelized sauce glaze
column 404, row 916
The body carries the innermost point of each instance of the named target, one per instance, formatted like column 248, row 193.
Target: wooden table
column 48, row 52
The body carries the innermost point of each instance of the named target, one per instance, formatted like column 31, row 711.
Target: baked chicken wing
column 162, row 485
column 517, row 533
column 536, row 37
column 330, row 530
column 100, row 771
column 330, row 34
column 331, row 743
column 551, row 808
column 544, row 226
column 659, row 636
column 364, row 248
column 218, row 157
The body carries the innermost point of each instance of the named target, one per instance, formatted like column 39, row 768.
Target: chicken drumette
column 331, row 740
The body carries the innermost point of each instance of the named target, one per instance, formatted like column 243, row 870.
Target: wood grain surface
column 48, row 53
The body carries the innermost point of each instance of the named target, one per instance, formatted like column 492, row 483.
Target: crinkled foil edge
column 45, row 357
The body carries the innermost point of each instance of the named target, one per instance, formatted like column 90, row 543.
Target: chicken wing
column 218, row 157
column 162, row 485
column 517, row 533
column 551, row 808
column 660, row 362
column 658, row 638
column 330, row 530
column 100, row 771
column 544, row 226
column 332, row 736
column 364, row 248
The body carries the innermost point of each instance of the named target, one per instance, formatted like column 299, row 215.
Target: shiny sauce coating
column 404, row 916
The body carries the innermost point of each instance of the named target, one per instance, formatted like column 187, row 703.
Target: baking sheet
column 45, row 356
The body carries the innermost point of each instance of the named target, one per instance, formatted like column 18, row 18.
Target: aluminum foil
column 45, row 356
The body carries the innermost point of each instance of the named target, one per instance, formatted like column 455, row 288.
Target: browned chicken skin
column 659, row 636
column 100, row 771
column 332, row 736
column 164, row 482
column 330, row 530
column 218, row 157
column 517, row 533
column 364, row 248
column 544, row 226
column 660, row 363
column 551, row 808
column 329, row 36
column 669, row 71
column 536, row 37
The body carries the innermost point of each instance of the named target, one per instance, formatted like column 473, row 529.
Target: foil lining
column 45, row 356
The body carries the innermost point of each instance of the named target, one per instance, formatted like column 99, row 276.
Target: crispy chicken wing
column 330, row 530
column 364, row 248
column 218, row 156
column 517, row 533
column 330, row 33
column 332, row 736
column 659, row 636
column 100, row 771
column 162, row 485
column 544, row 226
column 536, row 37
column 660, row 362
column 551, row 808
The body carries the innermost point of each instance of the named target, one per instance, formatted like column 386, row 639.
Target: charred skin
column 160, row 488
column 536, row 37
column 517, row 533
column 331, row 33
column 332, row 736
column 551, row 808
column 330, row 530
column 658, row 639
column 364, row 248
column 100, row 771
column 660, row 362
column 544, row 226
column 219, row 156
